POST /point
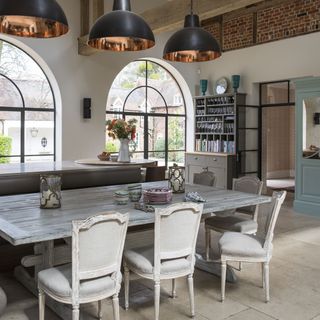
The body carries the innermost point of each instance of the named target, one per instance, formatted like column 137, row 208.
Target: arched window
column 27, row 109
column 146, row 91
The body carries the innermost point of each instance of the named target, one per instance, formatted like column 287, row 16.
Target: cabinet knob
column 195, row 158
column 215, row 159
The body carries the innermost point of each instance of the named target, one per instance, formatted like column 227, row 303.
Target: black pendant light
column 121, row 30
column 32, row 18
column 192, row 43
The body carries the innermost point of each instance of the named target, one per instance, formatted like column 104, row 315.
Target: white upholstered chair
column 97, row 247
column 205, row 178
column 235, row 246
column 173, row 253
column 229, row 220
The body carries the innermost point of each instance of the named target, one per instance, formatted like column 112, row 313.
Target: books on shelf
column 204, row 145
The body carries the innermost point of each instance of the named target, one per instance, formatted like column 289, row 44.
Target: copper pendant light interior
column 32, row 19
column 121, row 44
column 121, row 30
column 189, row 56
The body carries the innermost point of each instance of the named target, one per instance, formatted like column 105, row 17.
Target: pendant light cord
column 191, row 5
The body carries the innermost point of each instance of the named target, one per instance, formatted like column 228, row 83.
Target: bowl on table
column 104, row 156
column 157, row 196
column 121, row 197
column 135, row 192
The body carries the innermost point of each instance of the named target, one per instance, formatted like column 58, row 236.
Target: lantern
column 177, row 179
column 50, row 191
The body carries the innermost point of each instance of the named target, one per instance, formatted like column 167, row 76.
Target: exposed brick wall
column 237, row 32
column 268, row 21
column 288, row 20
column 214, row 27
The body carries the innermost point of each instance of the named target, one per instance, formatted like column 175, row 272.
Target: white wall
column 80, row 76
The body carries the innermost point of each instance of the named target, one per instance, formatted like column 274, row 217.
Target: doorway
column 278, row 135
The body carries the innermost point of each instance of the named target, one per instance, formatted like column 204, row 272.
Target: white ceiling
column 137, row 6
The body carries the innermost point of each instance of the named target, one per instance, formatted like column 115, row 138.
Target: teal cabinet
column 307, row 195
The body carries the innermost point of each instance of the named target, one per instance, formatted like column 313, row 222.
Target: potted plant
column 124, row 131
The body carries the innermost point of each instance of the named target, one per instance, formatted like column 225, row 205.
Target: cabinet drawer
column 197, row 160
column 216, row 161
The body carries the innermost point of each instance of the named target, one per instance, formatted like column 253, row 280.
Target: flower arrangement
column 121, row 129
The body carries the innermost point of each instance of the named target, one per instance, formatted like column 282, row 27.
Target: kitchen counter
column 25, row 177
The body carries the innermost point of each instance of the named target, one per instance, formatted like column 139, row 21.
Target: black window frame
column 146, row 115
column 23, row 110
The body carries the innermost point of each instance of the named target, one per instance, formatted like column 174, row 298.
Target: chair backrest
column 156, row 173
column 97, row 247
column 205, row 178
column 270, row 223
column 176, row 231
column 249, row 184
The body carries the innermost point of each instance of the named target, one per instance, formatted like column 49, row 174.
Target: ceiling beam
column 90, row 11
column 166, row 17
column 170, row 16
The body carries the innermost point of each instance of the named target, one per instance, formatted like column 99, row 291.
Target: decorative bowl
column 135, row 196
column 104, row 156
column 121, row 197
column 114, row 157
column 157, row 196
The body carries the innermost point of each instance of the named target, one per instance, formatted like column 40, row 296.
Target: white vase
column 124, row 154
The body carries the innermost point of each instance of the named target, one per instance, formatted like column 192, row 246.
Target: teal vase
column 203, row 86
column 235, row 82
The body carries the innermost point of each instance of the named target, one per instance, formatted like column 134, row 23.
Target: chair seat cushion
column 232, row 223
column 241, row 245
column 142, row 259
column 58, row 281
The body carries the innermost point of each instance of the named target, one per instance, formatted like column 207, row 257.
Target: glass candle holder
column 177, row 179
column 50, row 191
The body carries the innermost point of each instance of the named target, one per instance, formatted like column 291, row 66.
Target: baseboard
column 307, row 208
column 278, row 174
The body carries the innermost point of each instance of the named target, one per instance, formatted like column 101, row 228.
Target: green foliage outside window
column 112, row 146
column 5, row 148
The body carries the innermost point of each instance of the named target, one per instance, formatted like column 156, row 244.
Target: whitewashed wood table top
column 22, row 221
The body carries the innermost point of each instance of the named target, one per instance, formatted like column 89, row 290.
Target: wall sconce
column 34, row 132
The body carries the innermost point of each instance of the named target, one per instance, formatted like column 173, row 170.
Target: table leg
column 3, row 301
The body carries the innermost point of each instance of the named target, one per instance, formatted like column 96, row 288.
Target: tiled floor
column 295, row 285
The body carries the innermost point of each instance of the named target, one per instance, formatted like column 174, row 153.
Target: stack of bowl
column 121, row 197
column 135, row 192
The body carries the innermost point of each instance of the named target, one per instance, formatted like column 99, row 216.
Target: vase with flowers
column 125, row 131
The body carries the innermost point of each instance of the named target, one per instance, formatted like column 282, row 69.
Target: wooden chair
column 173, row 253
column 229, row 220
column 235, row 246
column 205, row 178
column 97, row 247
column 155, row 173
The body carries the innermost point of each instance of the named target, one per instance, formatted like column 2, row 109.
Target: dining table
column 22, row 221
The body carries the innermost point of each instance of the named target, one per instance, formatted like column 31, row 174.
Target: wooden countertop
column 217, row 154
column 14, row 169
